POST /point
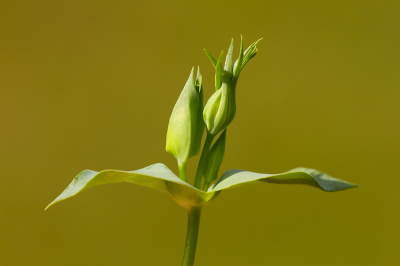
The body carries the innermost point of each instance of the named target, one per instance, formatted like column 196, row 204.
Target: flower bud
column 186, row 126
column 198, row 84
column 220, row 109
column 214, row 160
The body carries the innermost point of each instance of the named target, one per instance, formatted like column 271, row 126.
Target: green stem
column 191, row 236
column 203, row 160
column 182, row 171
column 206, row 186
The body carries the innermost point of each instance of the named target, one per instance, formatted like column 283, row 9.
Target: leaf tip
column 351, row 185
column 48, row 206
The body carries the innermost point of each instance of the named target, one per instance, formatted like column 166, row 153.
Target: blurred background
column 91, row 85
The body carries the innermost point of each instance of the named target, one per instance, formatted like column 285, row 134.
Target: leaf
column 200, row 121
column 219, row 73
column 305, row 176
column 214, row 160
column 212, row 59
column 156, row 176
column 237, row 67
column 250, row 52
column 229, row 59
column 251, row 47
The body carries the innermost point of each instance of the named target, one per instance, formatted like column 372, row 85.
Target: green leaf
column 219, row 73
column 305, row 176
column 214, row 160
column 156, row 176
column 212, row 59
column 229, row 60
column 200, row 121
column 238, row 64
column 251, row 47
column 250, row 52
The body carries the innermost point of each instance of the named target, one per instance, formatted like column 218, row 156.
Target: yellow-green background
column 91, row 85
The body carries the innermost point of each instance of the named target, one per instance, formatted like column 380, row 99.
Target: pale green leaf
column 156, row 176
column 305, row 176
column 219, row 73
column 214, row 160
column 237, row 67
column 250, row 52
column 229, row 59
column 212, row 59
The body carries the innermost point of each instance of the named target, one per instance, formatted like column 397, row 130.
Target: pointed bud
column 250, row 52
column 220, row 109
column 186, row 127
column 200, row 122
column 214, row 160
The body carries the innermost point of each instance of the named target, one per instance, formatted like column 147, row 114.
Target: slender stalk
column 206, row 186
column 203, row 160
column 182, row 171
column 191, row 236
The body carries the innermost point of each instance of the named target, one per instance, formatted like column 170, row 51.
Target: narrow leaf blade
column 305, row 176
column 238, row 64
column 229, row 59
column 219, row 73
column 250, row 52
column 212, row 59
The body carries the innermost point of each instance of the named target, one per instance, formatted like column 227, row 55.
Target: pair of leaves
column 159, row 177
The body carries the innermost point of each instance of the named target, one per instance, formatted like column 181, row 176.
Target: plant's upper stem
column 203, row 160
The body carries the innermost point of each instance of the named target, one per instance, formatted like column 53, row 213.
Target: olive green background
column 91, row 85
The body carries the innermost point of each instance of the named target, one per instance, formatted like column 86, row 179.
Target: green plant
column 184, row 136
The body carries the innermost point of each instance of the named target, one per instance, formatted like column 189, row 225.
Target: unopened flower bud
column 186, row 126
column 220, row 109
column 198, row 84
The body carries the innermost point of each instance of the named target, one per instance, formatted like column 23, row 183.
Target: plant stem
column 206, row 186
column 182, row 171
column 191, row 236
column 203, row 160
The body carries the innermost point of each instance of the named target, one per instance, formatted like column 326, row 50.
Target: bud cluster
column 190, row 116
